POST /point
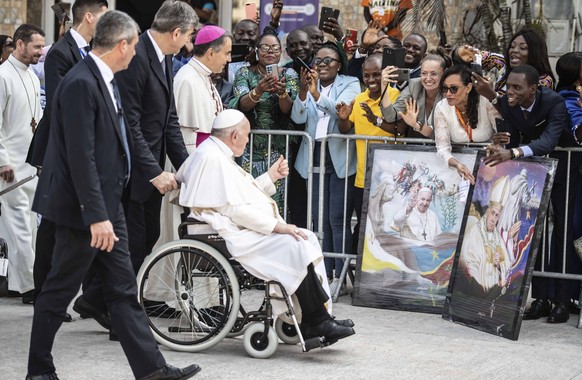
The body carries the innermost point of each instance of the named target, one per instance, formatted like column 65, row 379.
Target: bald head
column 299, row 45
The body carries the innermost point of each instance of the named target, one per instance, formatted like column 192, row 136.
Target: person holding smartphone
column 266, row 100
column 321, row 90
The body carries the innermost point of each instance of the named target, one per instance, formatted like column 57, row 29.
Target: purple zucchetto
column 208, row 33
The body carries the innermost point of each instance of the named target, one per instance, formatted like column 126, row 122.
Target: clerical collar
column 530, row 107
column 79, row 40
column 201, row 65
column 159, row 52
column 17, row 63
column 225, row 149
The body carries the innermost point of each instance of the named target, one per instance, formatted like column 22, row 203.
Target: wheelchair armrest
column 194, row 226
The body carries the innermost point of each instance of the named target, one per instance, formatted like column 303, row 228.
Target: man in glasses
column 535, row 122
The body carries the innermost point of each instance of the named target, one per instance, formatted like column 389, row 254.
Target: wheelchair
column 198, row 288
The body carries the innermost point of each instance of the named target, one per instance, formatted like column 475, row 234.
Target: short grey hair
column 224, row 132
column 113, row 27
column 174, row 15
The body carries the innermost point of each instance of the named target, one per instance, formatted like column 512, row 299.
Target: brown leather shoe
column 169, row 372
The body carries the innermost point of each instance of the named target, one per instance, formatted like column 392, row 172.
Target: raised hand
column 368, row 113
column 389, row 75
column 280, row 169
column 370, row 36
column 410, row 116
column 333, row 27
column 344, row 110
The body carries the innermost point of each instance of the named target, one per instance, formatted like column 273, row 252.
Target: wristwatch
column 379, row 121
column 496, row 100
column 514, row 153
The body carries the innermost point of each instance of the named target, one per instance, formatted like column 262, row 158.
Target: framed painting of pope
column 412, row 212
column 492, row 272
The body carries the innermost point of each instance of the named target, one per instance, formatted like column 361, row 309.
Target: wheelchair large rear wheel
column 190, row 295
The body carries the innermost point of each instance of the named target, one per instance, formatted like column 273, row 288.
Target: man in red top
column 389, row 13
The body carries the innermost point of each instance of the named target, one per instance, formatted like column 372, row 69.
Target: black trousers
column 312, row 299
column 559, row 290
column 143, row 227
column 72, row 258
column 45, row 243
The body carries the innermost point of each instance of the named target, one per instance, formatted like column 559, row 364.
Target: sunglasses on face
column 452, row 89
column 326, row 61
column 265, row 48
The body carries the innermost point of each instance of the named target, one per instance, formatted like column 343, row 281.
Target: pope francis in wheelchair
column 239, row 208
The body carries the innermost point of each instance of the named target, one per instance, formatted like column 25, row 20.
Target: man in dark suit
column 147, row 92
column 536, row 121
column 62, row 56
column 87, row 167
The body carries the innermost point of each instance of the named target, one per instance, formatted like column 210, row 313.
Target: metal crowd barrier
column 350, row 258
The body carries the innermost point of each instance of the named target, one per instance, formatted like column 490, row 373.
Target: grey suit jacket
column 415, row 91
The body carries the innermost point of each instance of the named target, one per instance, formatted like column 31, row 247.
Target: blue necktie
column 122, row 126
column 84, row 51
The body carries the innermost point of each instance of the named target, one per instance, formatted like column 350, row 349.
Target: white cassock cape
column 479, row 246
column 240, row 209
column 415, row 225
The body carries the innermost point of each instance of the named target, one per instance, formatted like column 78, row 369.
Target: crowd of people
column 125, row 112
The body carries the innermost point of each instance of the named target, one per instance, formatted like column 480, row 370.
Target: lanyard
column 468, row 129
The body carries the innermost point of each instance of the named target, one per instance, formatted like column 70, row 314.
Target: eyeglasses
column 326, row 61
column 452, row 89
column 265, row 48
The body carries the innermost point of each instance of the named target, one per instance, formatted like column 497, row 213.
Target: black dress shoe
column 169, row 372
column 538, row 308
column 330, row 329
column 159, row 309
column 559, row 313
column 345, row 322
column 113, row 336
column 46, row 376
column 28, row 297
column 85, row 309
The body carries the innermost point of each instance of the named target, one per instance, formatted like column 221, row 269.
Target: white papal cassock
column 19, row 103
column 241, row 210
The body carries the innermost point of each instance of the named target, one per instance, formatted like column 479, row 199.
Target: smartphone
column 395, row 57
column 477, row 68
column 60, row 12
column 326, row 13
column 303, row 64
column 272, row 69
column 351, row 38
column 251, row 10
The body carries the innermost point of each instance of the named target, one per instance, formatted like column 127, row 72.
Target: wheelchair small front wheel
column 286, row 332
column 257, row 347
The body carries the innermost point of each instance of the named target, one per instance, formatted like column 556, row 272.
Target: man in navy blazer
column 147, row 92
column 87, row 168
column 63, row 55
column 535, row 122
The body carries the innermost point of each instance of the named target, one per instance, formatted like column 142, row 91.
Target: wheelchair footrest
column 317, row 342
